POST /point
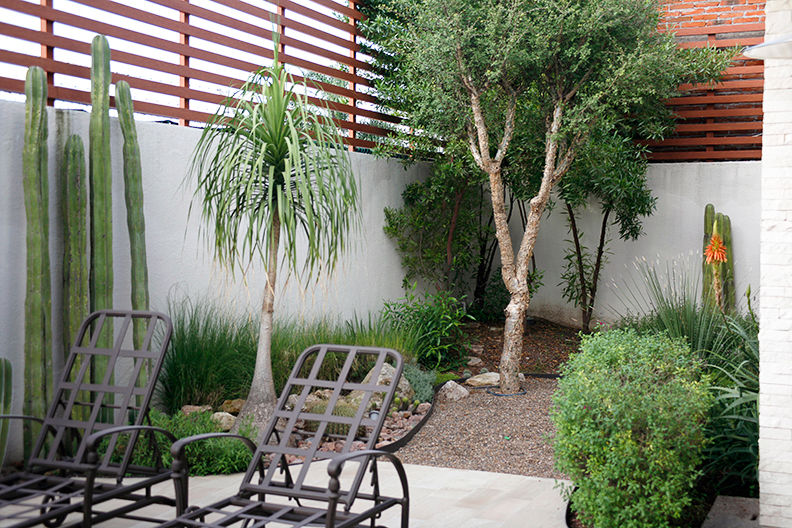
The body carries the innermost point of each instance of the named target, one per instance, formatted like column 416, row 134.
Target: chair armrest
column 93, row 440
column 180, row 463
column 20, row 417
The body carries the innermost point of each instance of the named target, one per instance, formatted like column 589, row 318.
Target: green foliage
column 213, row 351
column 339, row 429
column 6, row 388
column 442, row 377
column 422, row 381
column 208, row 457
column 496, row 297
column 435, row 230
column 630, row 414
column 733, row 431
column 437, row 319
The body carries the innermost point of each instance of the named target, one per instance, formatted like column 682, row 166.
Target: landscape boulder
column 484, row 380
column 453, row 391
column 232, row 406
column 224, row 420
column 189, row 409
column 403, row 388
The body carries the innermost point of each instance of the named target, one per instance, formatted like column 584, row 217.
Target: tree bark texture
column 260, row 402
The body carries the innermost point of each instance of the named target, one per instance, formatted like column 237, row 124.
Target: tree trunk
column 260, row 403
column 449, row 264
column 597, row 267
column 582, row 283
column 513, row 332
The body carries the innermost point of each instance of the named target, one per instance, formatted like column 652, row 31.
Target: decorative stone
column 474, row 361
column 484, row 380
column 521, row 376
column 475, row 350
column 453, row 391
column 232, row 406
column 189, row 409
column 423, row 408
column 403, row 389
column 224, row 420
column 291, row 401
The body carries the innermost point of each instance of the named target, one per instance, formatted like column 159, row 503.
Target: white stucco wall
column 673, row 233
column 178, row 258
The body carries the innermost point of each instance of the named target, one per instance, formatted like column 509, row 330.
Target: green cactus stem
column 727, row 268
column 6, row 381
column 75, row 239
column 709, row 220
column 717, row 221
column 100, row 174
column 38, row 300
column 133, row 194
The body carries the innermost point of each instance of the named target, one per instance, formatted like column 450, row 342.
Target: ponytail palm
column 269, row 166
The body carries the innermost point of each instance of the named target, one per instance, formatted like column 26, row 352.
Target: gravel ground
column 490, row 433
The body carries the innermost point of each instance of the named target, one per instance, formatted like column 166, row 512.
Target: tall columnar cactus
column 6, row 387
column 726, row 269
column 38, row 300
column 75, row 238
column 101, row 231
column 133, row 194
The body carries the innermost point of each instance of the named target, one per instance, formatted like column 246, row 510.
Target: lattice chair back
column 108, row 380
column 324, row 407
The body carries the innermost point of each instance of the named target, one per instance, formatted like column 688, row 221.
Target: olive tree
column 584, row 64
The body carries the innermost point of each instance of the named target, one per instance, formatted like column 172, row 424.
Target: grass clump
column 630, row 416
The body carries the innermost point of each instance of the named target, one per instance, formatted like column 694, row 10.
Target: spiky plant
column 270, row 165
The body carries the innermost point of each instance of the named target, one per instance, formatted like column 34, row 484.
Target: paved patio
column 440, row 498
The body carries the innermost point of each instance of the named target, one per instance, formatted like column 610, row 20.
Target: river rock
column 453, row 391
column 484, row 380
column 474, row 361
column 189, row 409
column 475, row 350
column 232, row 406
column 224, row 420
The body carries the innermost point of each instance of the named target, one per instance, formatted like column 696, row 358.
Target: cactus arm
column 75, row 254
column 100, row 170
column 38, row 346
column 727, row 268
column 133, row 194
column 709, row 221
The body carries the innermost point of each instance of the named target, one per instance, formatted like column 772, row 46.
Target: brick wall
column 700, row 13
column 775, row 338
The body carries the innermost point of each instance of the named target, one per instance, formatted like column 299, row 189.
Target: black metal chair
column 295, row 432
column 100, row 403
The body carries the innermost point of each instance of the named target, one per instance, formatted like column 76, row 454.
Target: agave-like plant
column 271, row 165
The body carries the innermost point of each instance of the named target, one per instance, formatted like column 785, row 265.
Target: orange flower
column 716, row 251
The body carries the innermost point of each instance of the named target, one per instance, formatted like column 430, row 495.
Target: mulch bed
column 500, row 434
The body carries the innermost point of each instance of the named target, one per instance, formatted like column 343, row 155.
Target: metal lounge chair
column 280, row 496
column 103, row 388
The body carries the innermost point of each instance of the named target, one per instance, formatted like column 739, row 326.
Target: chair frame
column 249, row 506
column 60, row 479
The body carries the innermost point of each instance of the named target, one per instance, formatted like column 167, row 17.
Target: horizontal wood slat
column 721, row 122
column 331, row 43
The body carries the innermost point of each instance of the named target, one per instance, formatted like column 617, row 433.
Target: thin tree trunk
column 260, row 403
column 597, row 268
column 582, row 283
column 450, row 239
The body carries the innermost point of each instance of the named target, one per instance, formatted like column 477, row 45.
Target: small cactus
column 725, row 269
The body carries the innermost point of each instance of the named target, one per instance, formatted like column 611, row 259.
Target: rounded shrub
column 630, row 414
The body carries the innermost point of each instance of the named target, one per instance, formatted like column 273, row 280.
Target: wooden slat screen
column 182, row 57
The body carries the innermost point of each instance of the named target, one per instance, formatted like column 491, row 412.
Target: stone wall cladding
column 775, row 401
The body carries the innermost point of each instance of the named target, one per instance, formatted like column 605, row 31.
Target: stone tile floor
column 440, row 498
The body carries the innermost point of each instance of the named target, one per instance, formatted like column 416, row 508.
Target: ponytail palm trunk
column 272, row 175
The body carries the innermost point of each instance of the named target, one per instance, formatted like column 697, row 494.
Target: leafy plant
column 437, row 319
column 630, row 414
column 733, row 431
column 496, row 297
column 268, row 166
column 207, row 457
column 422, row 381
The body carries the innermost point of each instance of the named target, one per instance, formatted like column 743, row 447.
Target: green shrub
column 422, row 381
column 437, row 319
column 207, row 457
column 212, row 352
column 630, row 414
column 442, row 377
column 208, row 349
column 733, row 431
